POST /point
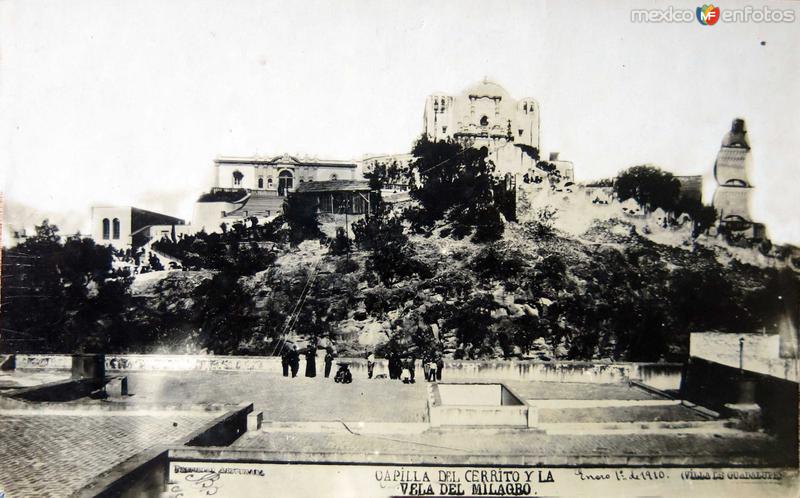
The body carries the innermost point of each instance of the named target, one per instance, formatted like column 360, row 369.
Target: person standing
column 370, row 364
column 285, row 353
column 329, row 356
column 410, row 365
column 394, row 365
column 439, row 366
column 432, row 368
column 311, row 361
column 294, row 360
column 426, row 366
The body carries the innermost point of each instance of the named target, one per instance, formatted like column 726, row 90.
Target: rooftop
column 334, row 186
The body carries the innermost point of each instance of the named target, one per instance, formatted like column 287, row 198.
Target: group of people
column 290, row 360
column 400, row 367
column 403, row 367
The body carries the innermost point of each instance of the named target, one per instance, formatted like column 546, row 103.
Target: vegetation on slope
column 452, row 272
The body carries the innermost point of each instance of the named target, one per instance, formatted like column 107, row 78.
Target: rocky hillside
column 610, row 288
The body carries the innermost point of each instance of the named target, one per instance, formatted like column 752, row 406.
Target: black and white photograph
column 366, row 248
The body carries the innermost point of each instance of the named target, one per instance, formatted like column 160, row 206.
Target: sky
column 118, row 102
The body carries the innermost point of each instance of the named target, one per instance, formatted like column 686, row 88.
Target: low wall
column 475, row 405
column 664, row 376
column 224, row 430
column 43, row 361
column 144, row 362
column 146, row 473
column 470, row 394
column 62, row 390
column 512, row 416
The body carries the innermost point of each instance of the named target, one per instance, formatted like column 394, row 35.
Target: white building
column 127, row 227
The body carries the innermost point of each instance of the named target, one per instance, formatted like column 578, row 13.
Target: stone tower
column 734, row 191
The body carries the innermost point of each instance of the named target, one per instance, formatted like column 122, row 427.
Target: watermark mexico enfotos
column 742, row 15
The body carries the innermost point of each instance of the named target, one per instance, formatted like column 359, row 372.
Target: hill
column 611, row 292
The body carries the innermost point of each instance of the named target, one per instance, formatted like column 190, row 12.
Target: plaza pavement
column 51, row 453
column 43, row 455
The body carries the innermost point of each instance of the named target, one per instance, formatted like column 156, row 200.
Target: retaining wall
column 664, row 376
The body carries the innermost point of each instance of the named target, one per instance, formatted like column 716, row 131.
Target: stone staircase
column 261, row 203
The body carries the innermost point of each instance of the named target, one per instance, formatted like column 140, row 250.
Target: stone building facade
column 483, row 115
column 280, row 174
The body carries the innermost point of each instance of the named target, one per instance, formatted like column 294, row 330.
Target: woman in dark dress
column 394, row 366
column 311, row 361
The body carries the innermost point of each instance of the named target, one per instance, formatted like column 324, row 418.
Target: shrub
column 341, row 243
column 345, row 266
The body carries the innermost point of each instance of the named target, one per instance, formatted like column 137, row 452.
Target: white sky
column 128, row 102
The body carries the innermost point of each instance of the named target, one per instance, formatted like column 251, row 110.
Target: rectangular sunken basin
column 477, row 405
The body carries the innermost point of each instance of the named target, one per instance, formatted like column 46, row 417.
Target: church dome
column 486, row 88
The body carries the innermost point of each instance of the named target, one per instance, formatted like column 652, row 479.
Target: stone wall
column 662, row 376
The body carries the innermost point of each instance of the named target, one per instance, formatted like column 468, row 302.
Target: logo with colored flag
column 707, row 15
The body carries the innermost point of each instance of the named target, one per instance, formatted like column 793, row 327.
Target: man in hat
column 285, row 354
column 294, row 360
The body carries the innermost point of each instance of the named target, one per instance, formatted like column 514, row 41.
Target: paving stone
column 54, row 455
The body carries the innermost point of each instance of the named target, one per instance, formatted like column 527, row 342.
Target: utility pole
column 347, row 225
column 741, row 355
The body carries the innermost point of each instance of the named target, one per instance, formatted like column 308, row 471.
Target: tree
column 155, row 263
column 341, row 243
column 472, row 322
column 650, row 187
column 703, row 216
column 301, row 216
column 457, row 185
column 383, row 174
column 391, row 256
column 224, row 313
column 62, row 297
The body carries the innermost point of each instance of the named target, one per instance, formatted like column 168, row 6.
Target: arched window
column 260, row 182
column 115, row 226
column 106, row 229
column 484, row 121
column 285, row 182
column 269, row 182
column 237, row 177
